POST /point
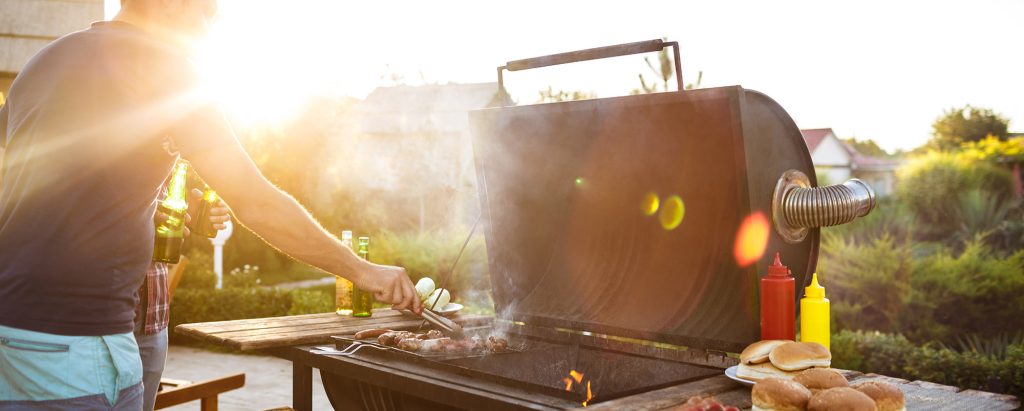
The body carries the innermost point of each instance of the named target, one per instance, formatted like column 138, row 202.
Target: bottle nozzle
column 814, row 290
column 777, row 269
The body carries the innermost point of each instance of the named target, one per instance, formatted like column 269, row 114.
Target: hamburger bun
column 757, row 353
column 817, row 379
column 758, row 372
column 887, row 397
column 776, row 394
column 796, row 356
column 840, row 399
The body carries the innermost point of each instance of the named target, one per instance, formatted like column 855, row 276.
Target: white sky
column 869, row 69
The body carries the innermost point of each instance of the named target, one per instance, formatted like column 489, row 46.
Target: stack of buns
column 819, row 389
column 781, row 359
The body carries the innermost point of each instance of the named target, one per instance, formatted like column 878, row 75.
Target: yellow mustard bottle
column 814, row 314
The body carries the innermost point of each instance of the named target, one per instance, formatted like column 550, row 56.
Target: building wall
column 26, row 26
column 882, row 182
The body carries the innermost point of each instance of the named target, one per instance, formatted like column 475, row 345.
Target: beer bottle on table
column 343, row 287
column 362, row 301
column 171, row 232
column 203, row 224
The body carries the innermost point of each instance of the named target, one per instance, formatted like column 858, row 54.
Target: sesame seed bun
column 758, row 372
column 757, row 353
column 840, row 399
column 777, row 394
column 887, row 397
column 796, row 356
column 817, row 379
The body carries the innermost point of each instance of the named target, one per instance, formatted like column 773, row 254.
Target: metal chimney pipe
column 797, row 206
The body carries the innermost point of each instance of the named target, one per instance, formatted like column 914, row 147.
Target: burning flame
column 578, row 377
column 752, row 239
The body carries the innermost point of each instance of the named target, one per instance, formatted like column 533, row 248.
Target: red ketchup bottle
column 778, row 298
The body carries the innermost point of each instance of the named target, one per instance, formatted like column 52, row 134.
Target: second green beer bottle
column 362, row 301
column 171, row 232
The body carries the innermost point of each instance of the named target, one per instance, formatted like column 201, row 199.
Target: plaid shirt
column 154, row 316
column 153, row 294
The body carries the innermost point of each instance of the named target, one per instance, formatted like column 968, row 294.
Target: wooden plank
column 200, row 390
column 272, row 322
column 472, row 320
column 670, row 396
column 305, row 329
column 393, row 323
column 740, row 398
column 922, row 395
column 1010, row 402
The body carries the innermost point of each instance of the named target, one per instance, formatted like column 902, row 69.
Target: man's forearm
column 284, row 224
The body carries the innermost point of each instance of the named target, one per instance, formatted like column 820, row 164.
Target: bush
column 869, row 282
column 895, row 356
column 977, row 292
column 432, row 254
column 931, row 186
column 204, row 305
column 311, row 301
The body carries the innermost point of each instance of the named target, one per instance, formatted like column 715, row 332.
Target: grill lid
column 575, row 241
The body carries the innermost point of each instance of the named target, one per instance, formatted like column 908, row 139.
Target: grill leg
column 302, row 387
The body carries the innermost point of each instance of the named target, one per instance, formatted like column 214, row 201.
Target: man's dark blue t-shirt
column 85, row 128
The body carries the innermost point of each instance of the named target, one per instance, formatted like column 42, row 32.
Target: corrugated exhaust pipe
column 797, row 206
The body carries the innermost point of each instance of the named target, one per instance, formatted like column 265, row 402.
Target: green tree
column 960, row 125
column 868, row 147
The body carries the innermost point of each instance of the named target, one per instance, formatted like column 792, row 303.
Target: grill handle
column 798, row 207
column 592, row 54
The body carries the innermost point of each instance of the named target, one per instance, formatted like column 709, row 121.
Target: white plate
column 731, row 373
column 449, row 309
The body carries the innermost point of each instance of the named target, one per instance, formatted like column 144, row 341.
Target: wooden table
column 292, row 338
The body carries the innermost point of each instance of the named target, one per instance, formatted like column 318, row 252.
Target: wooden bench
column 173, row 392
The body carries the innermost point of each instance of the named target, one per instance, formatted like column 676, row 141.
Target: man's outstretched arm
column 208, row 142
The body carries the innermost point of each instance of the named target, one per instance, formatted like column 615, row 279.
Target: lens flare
column 579, row 181
column 752, row 239
column 649, row 205
column 672, row 213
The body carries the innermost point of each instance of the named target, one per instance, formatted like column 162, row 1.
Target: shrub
column 432, row 254
column 895, row 356
column 869, row 282
column 311, row 301
column 204, row 305
column 976, row 292
column 931, row 186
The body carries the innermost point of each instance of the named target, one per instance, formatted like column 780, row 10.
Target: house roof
column 429, row 109
column 814, row 136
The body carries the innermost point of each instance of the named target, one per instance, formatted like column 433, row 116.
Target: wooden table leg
column 302, row 387
column 208, row 403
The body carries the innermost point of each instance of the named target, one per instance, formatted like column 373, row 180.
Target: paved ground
column 268, row 380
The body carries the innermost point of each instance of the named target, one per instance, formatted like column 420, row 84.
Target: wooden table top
column 261, row 333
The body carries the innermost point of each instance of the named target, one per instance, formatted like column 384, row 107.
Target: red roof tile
column 814, row 136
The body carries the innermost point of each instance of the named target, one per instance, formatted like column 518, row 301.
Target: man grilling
column 83, row 132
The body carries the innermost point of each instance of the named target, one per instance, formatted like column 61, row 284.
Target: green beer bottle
column 362, row 301
column 203, row 225
column 343, row 287
column 171, row 233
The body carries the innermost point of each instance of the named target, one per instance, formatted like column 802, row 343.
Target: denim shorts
column 49, row 371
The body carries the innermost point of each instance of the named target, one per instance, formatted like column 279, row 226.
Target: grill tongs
column 445, row 325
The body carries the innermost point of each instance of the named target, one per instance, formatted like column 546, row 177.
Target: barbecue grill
column 625, row 236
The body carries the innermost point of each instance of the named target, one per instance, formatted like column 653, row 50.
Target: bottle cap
column 346, row 235
column 776, row 269
column 814, row 290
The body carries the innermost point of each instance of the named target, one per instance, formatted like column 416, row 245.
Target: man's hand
column 219, row 214
column 160, row 218
column 389, row 285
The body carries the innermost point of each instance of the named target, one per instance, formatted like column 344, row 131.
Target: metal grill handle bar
column 591, row 54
